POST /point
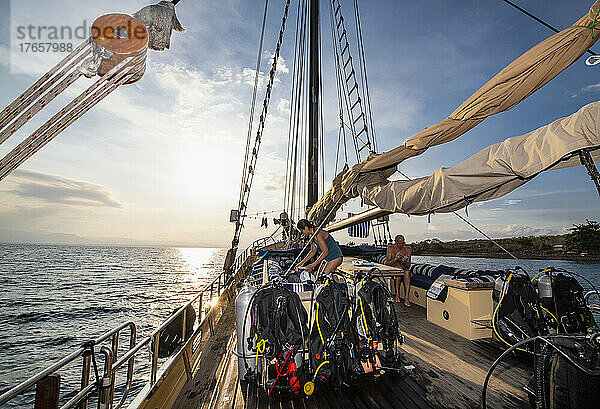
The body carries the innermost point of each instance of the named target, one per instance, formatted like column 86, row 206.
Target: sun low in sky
column 160, row 161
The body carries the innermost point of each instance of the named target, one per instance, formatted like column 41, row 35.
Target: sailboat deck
column 392, row 391
column 449, row 371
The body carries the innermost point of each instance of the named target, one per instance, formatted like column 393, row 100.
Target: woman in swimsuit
column 323, row 243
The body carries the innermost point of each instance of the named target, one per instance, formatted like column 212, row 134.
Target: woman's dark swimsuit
column 334, row 250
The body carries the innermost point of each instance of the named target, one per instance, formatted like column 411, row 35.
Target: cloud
column 273, row 181
column 511, row 202
column 513, row 230
column 587, row 89
column 56, row 189
column 281, row 64
column 591, row 88
column 284, row 106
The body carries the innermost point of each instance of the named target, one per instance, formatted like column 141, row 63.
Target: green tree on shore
column 584, row 237
column 525, row 243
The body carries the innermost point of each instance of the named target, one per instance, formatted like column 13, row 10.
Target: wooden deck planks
column 198, row 391
column 451, row 368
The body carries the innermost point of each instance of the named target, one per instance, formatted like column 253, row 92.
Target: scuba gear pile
column 557, row 326
column 332, row 337
column 516, row 315
column 376, row 323
column 566, row 303
column 278, row 325
column 277, row 352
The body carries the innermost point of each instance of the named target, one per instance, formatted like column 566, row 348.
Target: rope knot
column 592, row 26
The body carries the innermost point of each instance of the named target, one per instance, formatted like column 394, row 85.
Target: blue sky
column 160, row 161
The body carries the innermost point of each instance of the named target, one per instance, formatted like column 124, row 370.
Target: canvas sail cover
column 494, row 171
column 517, row 81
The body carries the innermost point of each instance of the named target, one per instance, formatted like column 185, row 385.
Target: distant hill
column 544, row 247
column 24, row 237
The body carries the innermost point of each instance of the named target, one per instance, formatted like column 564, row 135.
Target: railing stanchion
column 154, row 358
column 47, row 391
column 115, row 345
column 183, row 324
column 200, row 308
column 105, row 394
column 85, row 376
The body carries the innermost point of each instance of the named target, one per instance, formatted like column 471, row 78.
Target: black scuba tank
column 518, row 316
column 332, row 335
column 568, row 305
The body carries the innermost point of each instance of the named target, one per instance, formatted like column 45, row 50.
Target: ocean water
column 53, row 298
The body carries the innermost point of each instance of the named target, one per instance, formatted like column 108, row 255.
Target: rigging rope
column 539, row 20
column 586, row 160
column 40, row 86
column 364, row 76
column 252, row 106
column 340, row 95
column 296, row 176
column 120, row 74
column 49, row 86
column 250, row 165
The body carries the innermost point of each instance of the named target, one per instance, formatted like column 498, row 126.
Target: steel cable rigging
column 250, row 162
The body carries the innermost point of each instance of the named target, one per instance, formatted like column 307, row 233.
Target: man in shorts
column 398, row 255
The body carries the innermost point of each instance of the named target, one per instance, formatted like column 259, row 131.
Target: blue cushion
column 421, row 281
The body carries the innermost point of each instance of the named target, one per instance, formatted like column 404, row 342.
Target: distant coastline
column 564, row 257
column 532, row 247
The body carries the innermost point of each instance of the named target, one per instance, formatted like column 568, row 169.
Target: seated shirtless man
column 398, row 255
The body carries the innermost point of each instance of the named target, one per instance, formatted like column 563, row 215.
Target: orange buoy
column 123, row 36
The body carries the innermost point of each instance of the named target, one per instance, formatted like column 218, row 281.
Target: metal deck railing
column 107, row 345
column 594, row 307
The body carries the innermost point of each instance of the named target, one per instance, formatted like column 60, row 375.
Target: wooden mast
column 313, row 105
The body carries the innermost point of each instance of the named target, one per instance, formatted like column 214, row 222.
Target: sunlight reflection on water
column 55, row 297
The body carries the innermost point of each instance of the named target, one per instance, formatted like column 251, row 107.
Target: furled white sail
column 517, row 81
column 494, row 171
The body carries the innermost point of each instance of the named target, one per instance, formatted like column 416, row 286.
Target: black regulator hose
column 312, row 297
column 546, row 339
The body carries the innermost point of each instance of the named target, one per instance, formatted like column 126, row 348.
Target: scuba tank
column 277, row 330
column 332, row 336
column 566, row 303
column 376, row 324
column 516, row 313
column 242, row 303
column 545, row 286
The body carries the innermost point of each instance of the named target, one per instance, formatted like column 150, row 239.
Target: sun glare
column 197, row 259
column 204, row 171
